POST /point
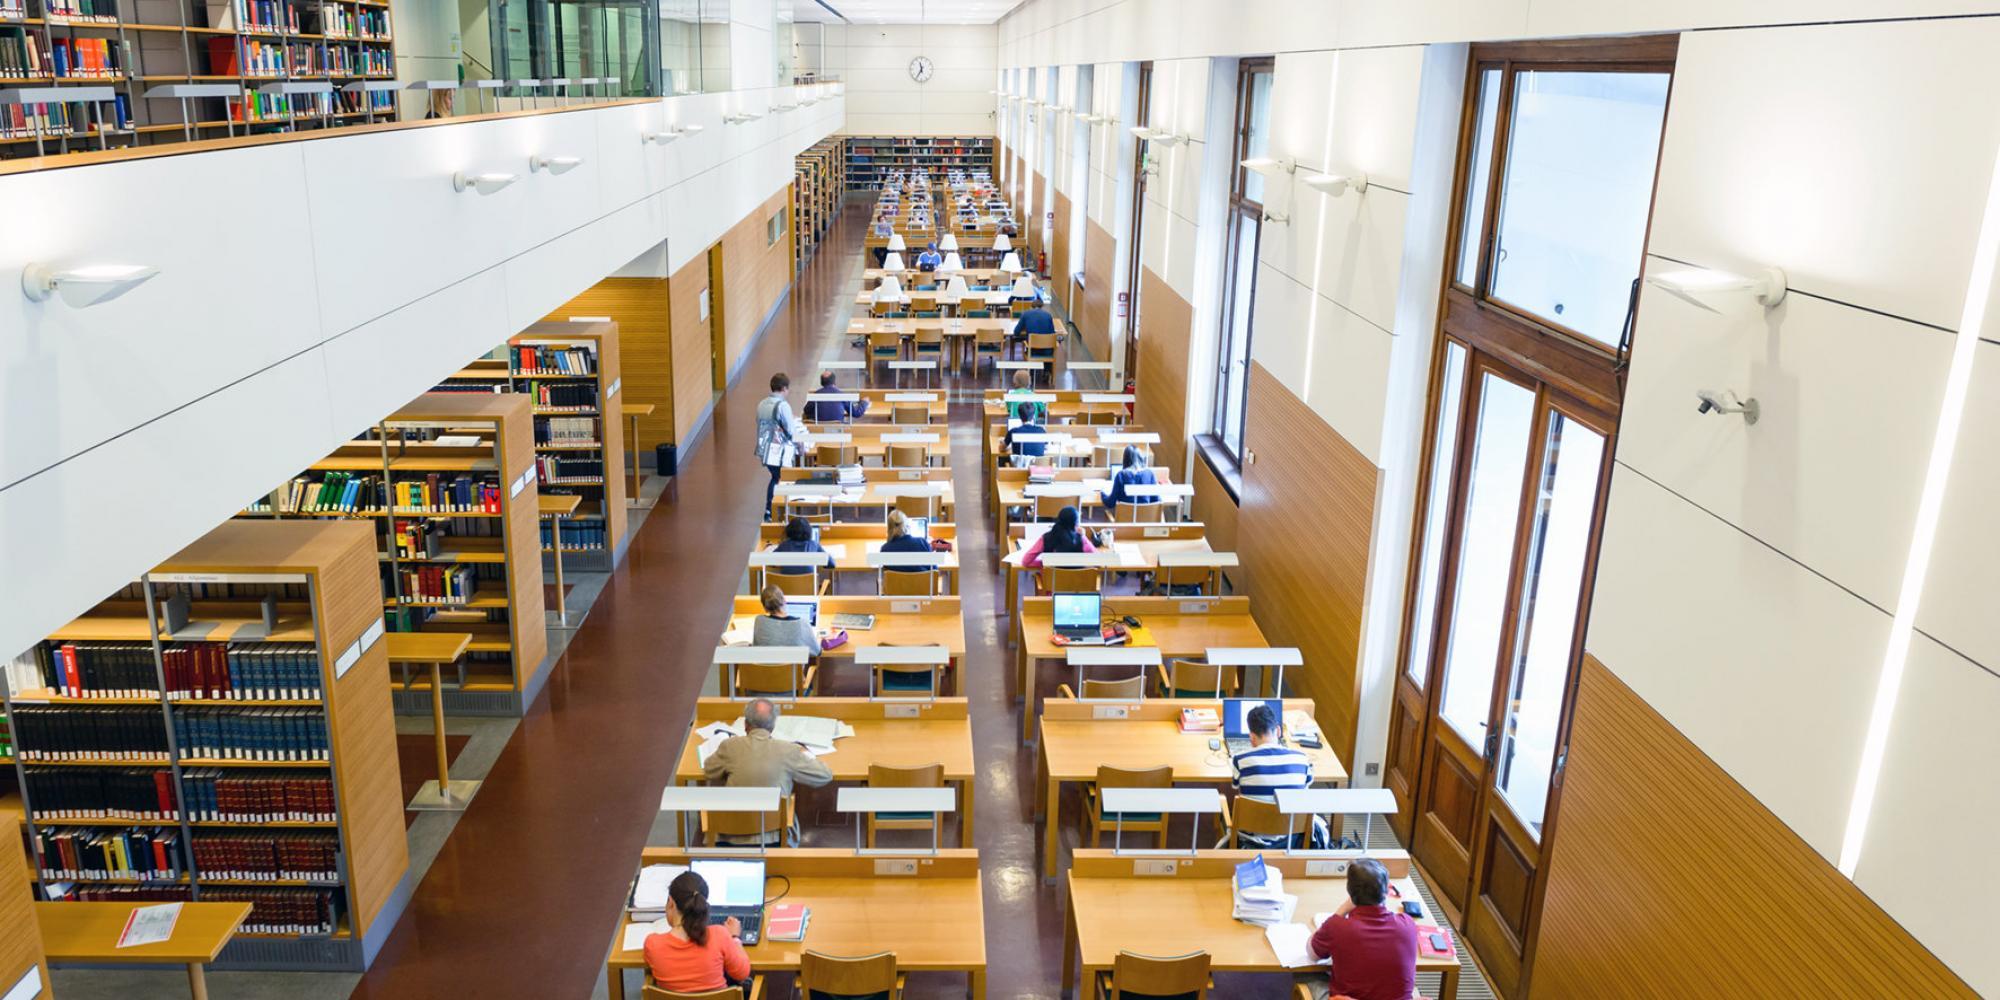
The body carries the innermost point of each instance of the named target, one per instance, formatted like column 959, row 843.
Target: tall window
column 1239, row 277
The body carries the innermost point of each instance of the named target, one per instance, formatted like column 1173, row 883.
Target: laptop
column 1080, row 618
column 918, row 527
column 735, row 889
column 803, row 607
column 1236, row 721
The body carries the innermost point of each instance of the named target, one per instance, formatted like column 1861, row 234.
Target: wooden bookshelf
column 135, row 46
column 319, row 572
column 871, row 158
column 487, row 438
column 20, row 935
column 816, row 192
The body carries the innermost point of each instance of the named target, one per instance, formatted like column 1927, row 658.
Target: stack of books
column 850, row 475
column 787, row 922
column 1260, row 894
column 1200, row 720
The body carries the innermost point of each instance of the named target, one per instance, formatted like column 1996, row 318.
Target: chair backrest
column 904, row 583
column 1124, row 777
column 811, row 508
column 1107, row 417
column 1047, row 507
column 747, row 824
column 725, row 993
column 991, row 338
column 885, row 342
column 1145, row 512
column 921, row 776
column 820, row 973
column 1133, row 687
column 905, row 456
column 1195, row 675
column 1041, row 344
column 914, row 506
column 794, row 584
column 930, row 335
column 1205, row 577
column 766, row 678
column 910, row 413
column 885, row 307
column 1247, row 815
column 836, row 454
column 1145, row 975
column 1079, row 579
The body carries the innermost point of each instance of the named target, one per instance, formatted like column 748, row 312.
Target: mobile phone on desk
column 1412, row 908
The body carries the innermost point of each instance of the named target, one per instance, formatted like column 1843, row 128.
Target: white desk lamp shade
column 1002, row 243
column 952, row 262
column 890, row 290
column 949, row 243
column 894, row 262
column 896, row 244
column 1012, row 262
column 1024, row 288
column 955, row 289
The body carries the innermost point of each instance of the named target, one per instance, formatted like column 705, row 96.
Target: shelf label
column 226, row 577
column 347, row 660
column 521, row 483
column 28, row 987
column 615, row 383
column 373, row 633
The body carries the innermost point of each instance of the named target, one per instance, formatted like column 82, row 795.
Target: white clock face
column 921, row 69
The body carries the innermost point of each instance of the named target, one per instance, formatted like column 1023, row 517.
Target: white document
column 1288, row 942
column 719, row 731
column 811, row 730
column 1128, row 554
column 651, row 892
column 737, row 637
column 1100, row 485
column 636, row 934
column 836, row 550
column 707, row 749
column 149, row 925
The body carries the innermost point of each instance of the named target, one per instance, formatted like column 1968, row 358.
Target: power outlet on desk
column 907, row 866
column 1159, row 532
column 1110, row 711
column 906, row 607
column 1197, row 607
column 909, row 475
column 1324, row 868
column 1155, row 866
column 901, row 711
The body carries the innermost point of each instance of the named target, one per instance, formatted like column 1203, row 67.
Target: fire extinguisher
column 1042, row 263
column 1131, row 387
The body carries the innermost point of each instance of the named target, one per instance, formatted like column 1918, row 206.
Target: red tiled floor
column 416, row 757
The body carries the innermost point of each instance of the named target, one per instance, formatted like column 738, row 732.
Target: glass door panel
column 1437, row 513
column 1501, row 438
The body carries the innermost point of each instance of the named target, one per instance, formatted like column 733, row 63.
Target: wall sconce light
column 1269, row 167
column 1337, row 184
column 689, row 129
column 486, row 183
column 553, row 164
column 660, row 138
column 741, row 117
column 1767, row 285
column 782, row 108
column 1726, row 402
column 84, row 286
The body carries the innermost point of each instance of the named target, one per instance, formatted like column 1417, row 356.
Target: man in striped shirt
column 1259, row 772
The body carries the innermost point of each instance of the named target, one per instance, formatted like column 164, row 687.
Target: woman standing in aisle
column 778, row 434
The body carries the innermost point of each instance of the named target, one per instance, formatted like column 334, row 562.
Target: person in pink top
column 1062, row 536
column 693, row 957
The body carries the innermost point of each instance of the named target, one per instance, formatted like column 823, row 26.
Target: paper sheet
column 636, row 934
column 149, row 925
column 736, row 637
column 1100, row 485
column 707, row 749
column 837, row 550
column 651, row 892
column 1128, row 554
column 719, row 731
column 808, row 729
column 1288, row 942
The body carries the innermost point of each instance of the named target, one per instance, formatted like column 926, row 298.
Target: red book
column 163, row 787
column 72, row 676
column 786, row 922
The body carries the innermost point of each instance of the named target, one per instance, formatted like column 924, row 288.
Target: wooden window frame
column 1242, row 210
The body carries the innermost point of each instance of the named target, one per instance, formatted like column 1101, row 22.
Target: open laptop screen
column 734, row 884
column 918, row 527
column 803, row 607
column 1236, row 714
column 1078, row 610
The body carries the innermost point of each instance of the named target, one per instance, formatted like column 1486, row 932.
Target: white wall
column 1748, row 574
column 368, row 279
column 873, row 60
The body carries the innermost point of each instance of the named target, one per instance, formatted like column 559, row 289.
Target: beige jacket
column 758, row 761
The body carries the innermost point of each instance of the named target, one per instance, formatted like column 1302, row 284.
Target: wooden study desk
column 934, row 920
column 88, row 933
column 876, row 494
column 1010, row 489
column 1111, row 909
column 866, row 437
column 1074, row 742
column 912, row 275
column 926, row 474
column 434, row 650
column 936, row 621
column 1069, row 404
column 959, row 332
column 1179, row 626
column 554, row 507
column 893, row 734
column 1137, row 546
column 1086, row 442
column 851, row 544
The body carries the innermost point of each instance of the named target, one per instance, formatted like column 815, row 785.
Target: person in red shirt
column 1373, row 948
column 693, row 957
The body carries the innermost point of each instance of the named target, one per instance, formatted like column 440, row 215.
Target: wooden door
column 718, row 332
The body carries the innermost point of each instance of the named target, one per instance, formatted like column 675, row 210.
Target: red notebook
column 1425, row 947
column 786, row 922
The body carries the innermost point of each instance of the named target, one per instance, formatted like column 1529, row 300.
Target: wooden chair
column 1143, row 512
column 798, row 584
column 751, row 680
column 884, row 308
column 917, row 506
column 744, row 826
column 883, row 776
column 1180, row 678
column 891, row 680
column 1047, row 507
column 1108, row 417
column 1146, row 976
column 908, row 456
column 1075, row 580
column 1118, row 777
column 1042, row 347
column 1131, row 688
column 832, row 455
column 1189, row 580
column 987, row 344
column 885, row 345
column 929, row 343
column 1259, row 819
column 756, row 992
column 910, row 583
column 824, row 976
column 908, row 414
column 814, row 509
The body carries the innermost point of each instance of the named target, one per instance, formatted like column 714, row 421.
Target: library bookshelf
column 871, row 158
column 21, row 964
column 570, row 370
column 819, row 185
column 170, row 66
column 455, row 549
column 221, row 730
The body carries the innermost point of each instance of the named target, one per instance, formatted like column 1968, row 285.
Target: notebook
column 787, row 922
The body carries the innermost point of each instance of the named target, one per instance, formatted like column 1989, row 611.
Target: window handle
column 1492, row 746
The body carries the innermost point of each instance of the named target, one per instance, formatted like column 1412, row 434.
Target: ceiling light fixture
column 485, row 183
column 554, row 164
column 1269, row 167
column 1691, row 285
column 1336, row 184
column 84, row 286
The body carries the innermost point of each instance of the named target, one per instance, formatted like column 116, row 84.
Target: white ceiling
column 905, row 11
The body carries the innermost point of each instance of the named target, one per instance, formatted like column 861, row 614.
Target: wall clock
column 921, row 69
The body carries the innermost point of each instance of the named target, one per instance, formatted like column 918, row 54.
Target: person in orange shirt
column 693, row 957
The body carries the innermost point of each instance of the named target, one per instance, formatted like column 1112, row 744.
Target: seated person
column 692, row 957
column 1268, row 766
column 1373, row 947
column 1036, row 320
column 799, row 538
column 1130, row 472
column 1062, row 537
column 776, row 628
column 1020, row 404
column 930, row 258
column 755, row 760
column 899, row 539
column 833, row 412
column 1026, row 449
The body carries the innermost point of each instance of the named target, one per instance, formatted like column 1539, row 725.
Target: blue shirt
column 1035, row 321
column 791, row 546
column 1035, row 448
column 929, row 258
column 906, row 543
column 822, row 412
column 1128, row 477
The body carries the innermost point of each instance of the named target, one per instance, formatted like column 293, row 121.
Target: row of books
column 529, row 359
column 22, row 56
column 90, row 58
column 259, row 734
column 315, row 60
column 83, row 794
column 230, row 56
column 350, row 22
column 421, row 539
column 138, row 853
column 13, row 9
column 272, row 910
column 566, row 430
column 553, row 469
column 94, row 11
column 564, row 396
column 577, row 534
column 116, row 734
column 216, row 795
column 439, row 584
column 437, row 495
column 335, row 491
column 268, row 857
column 274, row 16
column 264, row 671
column 256, row 107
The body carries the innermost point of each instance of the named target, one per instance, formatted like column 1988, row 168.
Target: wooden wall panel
column 1030, row 215
column 1165, row 326
column 1094, row 314
column 758, row 273
column 1667, row 878
column 645, row 344
column 693, row 375
column 20, row 936
column 1308, row 507
column 1214, row 508
column 1059, row 262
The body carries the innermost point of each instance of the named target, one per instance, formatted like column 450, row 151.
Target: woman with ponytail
column 692, row 957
